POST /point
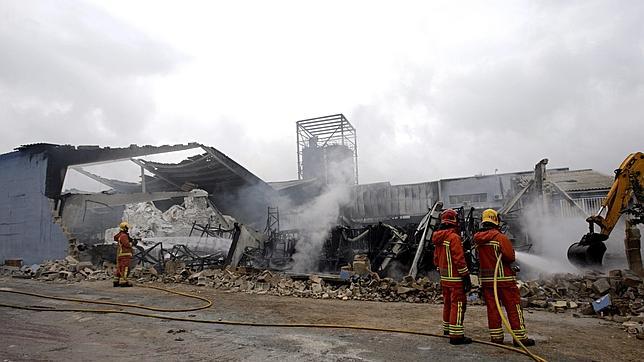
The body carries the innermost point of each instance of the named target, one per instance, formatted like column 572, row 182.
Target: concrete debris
column 147, row 221
column 371, row 288
column 623, row 299
column 619, row 293
column 68, row 269
column 602, row 285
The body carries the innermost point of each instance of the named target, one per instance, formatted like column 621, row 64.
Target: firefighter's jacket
column 449, row 256
column 124, row 244
column 490, row 244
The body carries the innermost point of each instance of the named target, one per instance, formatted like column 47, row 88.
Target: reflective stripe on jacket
column 490, row 244
column 124, row 243
column 449, row 256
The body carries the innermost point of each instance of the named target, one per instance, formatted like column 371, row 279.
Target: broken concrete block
column 601, row 286
column 85, row 264
column 587, row 310
column 572, row 305
column 265, row 276
column 361, row 268
column 560, row 304
column 316, row 279
column 403, row 290
column 195, row 276
column 153, row 271
column 65, row 274
column 632, row 281
column 525, row 291
column 538, row 303
column 172, row 267
column 316, row 288
column 615, row 273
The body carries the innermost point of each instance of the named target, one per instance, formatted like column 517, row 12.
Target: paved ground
column 26, row 335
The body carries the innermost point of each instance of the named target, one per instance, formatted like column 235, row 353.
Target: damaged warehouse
column 44, row 219
column 318, row 223
column 249, row 181
column 209, row 222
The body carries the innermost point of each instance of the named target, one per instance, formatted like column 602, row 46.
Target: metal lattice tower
column 324, row 133
column 272, row 221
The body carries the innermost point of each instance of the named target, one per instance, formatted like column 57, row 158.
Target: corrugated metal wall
column 27, row 230
column 382, row 200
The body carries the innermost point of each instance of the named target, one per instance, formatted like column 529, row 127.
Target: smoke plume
column 552, row 234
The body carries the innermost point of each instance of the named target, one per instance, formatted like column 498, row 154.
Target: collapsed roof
column 233, row 188
column 59, row 157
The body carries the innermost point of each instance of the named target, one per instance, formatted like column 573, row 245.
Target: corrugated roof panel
column 581, row 180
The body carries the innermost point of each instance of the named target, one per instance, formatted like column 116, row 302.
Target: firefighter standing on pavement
column 449, row 257
column 123, row 256
column 492, row 243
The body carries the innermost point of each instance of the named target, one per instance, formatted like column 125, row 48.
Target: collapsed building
column 323, row 221
column 39, row 221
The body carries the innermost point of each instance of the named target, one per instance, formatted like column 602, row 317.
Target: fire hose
column 209, row 303
column 506, row 323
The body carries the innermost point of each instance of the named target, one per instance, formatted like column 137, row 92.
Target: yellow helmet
column 124, row 226
column 491, row 216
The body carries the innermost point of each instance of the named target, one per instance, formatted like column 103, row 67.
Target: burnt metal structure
column 322, row 132
column 211, row 231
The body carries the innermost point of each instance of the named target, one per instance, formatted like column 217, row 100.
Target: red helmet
column 449, row 217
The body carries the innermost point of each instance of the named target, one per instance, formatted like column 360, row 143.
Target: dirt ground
column 28, row 335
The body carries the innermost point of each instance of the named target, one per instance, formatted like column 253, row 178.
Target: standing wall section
column 27, row 228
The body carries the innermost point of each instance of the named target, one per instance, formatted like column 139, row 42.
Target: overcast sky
column 435, row 89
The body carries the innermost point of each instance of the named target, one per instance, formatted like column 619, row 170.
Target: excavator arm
column 628, row 185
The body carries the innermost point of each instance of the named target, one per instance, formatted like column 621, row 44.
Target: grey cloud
column 74, row 73
column 571, row 89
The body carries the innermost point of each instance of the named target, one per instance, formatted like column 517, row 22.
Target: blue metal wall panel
column 27, row 230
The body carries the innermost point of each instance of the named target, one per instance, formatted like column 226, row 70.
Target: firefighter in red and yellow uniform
column 492, row 243
column 123, row 256
column 455, row 277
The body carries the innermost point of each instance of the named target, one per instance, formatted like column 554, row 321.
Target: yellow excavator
column 626, row 196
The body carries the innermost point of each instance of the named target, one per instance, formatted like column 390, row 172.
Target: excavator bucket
column 589, row 251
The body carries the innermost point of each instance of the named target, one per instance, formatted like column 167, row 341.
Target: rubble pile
column 68, row 269
column 147, row 221
column 367, row 288
column 615, row 296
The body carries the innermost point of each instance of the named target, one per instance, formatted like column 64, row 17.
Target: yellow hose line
column 210, row 321
column 155, row 309
column 506, row 323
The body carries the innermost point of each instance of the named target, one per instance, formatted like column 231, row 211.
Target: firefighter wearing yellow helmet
column 123, row 255
column 490, row 216
column 492, row 244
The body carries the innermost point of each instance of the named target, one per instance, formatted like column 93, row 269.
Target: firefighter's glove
column 515, row 267
column 467, row 283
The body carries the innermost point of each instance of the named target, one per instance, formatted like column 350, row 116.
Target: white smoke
column 552, row 234
column 316, row 218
